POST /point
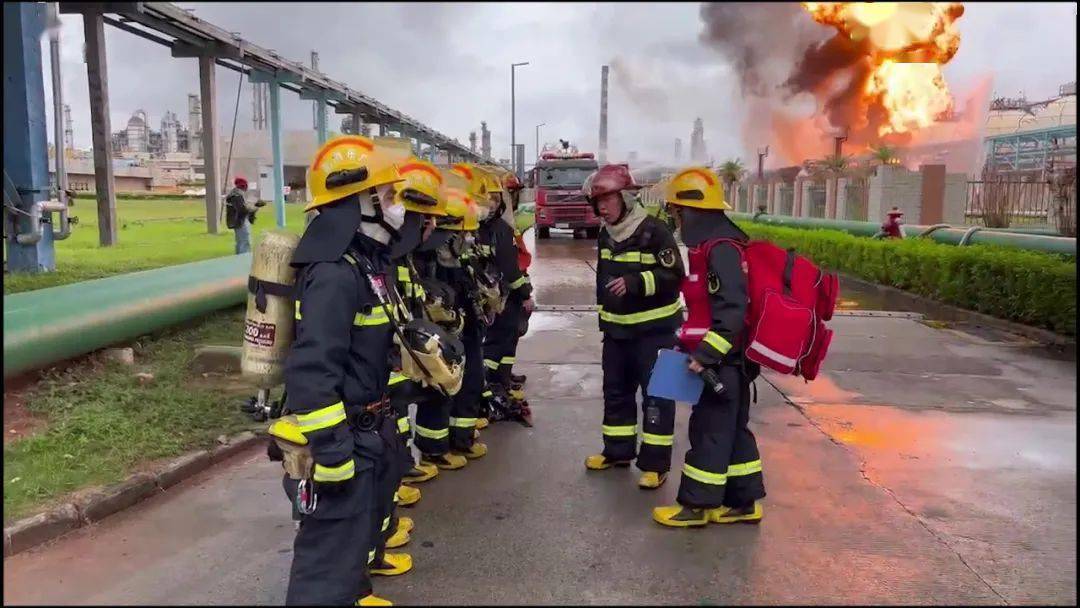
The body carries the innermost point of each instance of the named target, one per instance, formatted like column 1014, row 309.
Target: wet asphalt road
column 925, row 466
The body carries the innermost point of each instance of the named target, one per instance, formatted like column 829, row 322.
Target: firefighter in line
column 721, row 478
column 502, row 336
column 420, row 190
column 513, row 187
column 638, row 276
column 336, row 370
column 442, row 276
column 465, row 405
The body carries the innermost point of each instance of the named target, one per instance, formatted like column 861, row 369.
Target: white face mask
column 484, row 213
column 470, row 239
column 393, row 213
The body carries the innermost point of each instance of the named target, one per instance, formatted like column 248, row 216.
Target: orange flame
column 898, row 49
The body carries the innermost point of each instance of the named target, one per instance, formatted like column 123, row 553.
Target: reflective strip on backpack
column 769, row 353
column 641, row 317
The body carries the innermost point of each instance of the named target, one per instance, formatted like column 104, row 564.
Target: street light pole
column 513, row 132
column 538, row 140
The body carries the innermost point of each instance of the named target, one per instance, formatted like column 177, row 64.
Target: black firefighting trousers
column 627, row 364
column 334, row 544
column 501, row 343
column 723, row 466
column 388, row 473
column 465, row 405
column 399, row 463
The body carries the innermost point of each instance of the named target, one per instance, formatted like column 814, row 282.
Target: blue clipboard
column 672, row 379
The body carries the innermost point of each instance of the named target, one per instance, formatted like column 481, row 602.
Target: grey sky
column 448, row 66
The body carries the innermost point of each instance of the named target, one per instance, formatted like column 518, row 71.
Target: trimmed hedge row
column 1028, row 287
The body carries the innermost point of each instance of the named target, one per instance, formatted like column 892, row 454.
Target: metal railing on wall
column 1002, row 203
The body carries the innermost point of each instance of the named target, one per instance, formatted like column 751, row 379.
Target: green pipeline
column 947, row 235
column 50, row 325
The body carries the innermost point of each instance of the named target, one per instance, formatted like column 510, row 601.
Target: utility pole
column 762, row 154
column 513, row 132
column 838, row 143
column 538, row 140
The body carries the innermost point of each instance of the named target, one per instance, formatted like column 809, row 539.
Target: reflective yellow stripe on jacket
column 322, row 418
column 635, row 257
column 641, row 317
column 717, row 341
column 339, row 473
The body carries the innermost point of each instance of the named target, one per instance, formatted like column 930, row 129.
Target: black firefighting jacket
column 338, row 360
column 505, row 253
column 650, row 262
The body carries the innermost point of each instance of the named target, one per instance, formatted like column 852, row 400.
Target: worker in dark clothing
column 721, row 479
column 501, row 340
column 240, row 214
column 336, row 369
column 637, row 288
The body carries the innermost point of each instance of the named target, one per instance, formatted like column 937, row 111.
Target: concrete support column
column 275, row 144
column 100, row 127
column 26, row 148
column 382, row 129
column 320, row 120
column 211, row 156
column 357, row 121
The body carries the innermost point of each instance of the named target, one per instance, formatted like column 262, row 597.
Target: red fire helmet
column 240, row 182
column 608, row 179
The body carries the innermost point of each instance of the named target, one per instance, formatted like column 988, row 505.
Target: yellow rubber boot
column 373, row 600
column 678, row 516
column 407, row 496
column 421, row 473
column 446, row 462
column 598, row 462
column 727, row 515
column 650, row 480
column 478, row 450
column 399, row 538
column 394, row 564
column 482, row 423
column 405, row 523
column 517, row 394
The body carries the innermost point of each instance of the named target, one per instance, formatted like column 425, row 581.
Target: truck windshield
column 563, row 177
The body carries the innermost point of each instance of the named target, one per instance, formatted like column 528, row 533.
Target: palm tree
column 885, row 154
column 732, row 171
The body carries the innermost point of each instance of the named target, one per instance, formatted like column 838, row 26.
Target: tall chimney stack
column 602, row 152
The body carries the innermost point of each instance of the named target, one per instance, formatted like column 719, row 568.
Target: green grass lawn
column 152, row 234
column 101, row 423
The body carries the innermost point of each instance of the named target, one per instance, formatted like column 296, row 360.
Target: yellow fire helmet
column 477, row 187
column 696, row 187
column 459, row 205
column 422, row 188
column 348, row 165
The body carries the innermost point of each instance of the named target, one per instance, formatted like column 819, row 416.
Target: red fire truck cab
column 557, row 179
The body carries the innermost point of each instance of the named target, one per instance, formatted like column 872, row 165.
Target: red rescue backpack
column 790, row 300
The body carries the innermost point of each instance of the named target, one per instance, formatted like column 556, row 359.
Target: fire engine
column 557, row 179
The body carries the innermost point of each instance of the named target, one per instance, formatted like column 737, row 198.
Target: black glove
column 260, row 203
